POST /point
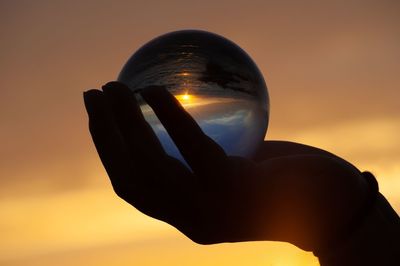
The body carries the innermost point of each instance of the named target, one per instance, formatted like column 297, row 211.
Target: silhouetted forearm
column 375, row 242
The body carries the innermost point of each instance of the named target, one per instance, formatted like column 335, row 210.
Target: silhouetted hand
column 288, row 192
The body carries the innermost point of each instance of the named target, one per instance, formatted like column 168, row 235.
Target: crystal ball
column 215, row 81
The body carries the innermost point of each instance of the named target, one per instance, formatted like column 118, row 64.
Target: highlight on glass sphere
column 213, row 79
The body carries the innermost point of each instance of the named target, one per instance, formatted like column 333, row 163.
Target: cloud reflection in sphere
column 213, row 79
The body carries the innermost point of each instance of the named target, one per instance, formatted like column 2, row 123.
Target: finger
column 130, row 181
column 143, row 144
column 201, row 152
column 106, row 137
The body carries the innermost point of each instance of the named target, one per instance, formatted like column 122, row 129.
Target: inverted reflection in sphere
column 213, row 79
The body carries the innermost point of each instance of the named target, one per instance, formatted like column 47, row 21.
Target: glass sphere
column 213, row 79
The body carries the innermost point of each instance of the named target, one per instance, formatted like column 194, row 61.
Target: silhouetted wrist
column 376, row 240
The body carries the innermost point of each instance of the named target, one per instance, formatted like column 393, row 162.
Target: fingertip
column 90, row 97
column 91, row 92
column 114, row 85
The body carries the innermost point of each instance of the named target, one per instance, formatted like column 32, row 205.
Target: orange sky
column 333, row 75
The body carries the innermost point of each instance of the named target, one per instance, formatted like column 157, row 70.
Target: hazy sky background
column 332, row 70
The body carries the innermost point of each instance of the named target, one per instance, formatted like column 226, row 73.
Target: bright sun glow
column 185, row 74
column 184, row 98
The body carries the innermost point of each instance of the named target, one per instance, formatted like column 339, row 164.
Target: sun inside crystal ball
column 215, row 81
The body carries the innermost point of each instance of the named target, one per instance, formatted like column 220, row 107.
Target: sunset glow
column 184, row 74
column 187, row 99
column 331, row 68
column 184, row 98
